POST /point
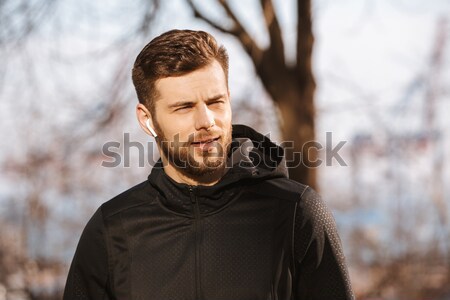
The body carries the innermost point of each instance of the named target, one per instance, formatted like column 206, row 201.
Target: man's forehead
column 185, row 97
column 201, row 84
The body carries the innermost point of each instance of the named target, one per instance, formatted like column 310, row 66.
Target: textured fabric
column 254, row 235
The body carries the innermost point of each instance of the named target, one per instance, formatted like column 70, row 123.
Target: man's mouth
column 204, row 142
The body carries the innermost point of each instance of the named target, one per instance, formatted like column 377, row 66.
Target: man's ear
column 145, row 119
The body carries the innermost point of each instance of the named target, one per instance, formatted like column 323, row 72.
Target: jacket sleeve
column 88, row 273
column 321, row 271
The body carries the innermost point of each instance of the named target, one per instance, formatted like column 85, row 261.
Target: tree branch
column 238, row 30
column 149, row 14
column 305, row 38
column 273, row 27
column 210, row 22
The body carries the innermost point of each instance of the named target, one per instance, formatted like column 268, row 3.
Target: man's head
column 174, row 53
column 181, row 82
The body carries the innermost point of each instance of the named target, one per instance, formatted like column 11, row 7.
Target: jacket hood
column 252, row 158
column 256, row 153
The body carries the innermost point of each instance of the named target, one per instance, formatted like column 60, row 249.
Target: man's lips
column 205, row 141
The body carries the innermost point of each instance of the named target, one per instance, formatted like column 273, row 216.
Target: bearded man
column 217, row 217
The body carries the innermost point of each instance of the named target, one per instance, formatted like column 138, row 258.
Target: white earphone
column 152, row 131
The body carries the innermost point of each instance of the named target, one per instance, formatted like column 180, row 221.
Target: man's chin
column 204, row 168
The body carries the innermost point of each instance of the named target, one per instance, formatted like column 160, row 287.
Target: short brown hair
column 174, row 53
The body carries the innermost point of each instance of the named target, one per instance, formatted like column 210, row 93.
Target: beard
column 194, row 161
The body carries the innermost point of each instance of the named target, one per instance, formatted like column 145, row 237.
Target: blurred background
column 369, row 79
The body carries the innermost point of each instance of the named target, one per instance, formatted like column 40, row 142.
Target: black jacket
column 254, row 235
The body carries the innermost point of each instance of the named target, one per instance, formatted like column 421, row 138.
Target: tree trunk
column 297, row 125
column 292, row 90
column 294, row 99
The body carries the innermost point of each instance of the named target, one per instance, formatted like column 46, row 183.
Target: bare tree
column 291, row 87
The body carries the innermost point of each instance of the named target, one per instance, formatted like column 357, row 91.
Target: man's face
column 193, row 120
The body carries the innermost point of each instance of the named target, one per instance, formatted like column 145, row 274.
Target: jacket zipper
column 196, row 210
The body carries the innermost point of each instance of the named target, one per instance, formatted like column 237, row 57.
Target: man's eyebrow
column 214, row 98
column 191, row 103
column 181, row 103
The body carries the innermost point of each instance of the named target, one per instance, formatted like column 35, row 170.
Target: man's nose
column 204, row 118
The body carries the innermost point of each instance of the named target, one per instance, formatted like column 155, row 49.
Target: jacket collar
column 252, row 158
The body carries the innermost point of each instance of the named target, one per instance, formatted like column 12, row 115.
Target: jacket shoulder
column 311, row 203
column 140, row 194
column 283, row 188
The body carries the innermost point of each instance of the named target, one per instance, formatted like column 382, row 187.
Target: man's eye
column 218, row 102
column 181, row 108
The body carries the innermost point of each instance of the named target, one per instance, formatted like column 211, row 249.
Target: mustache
column 192, row 138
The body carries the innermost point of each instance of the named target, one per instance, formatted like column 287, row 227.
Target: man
column 217, row 218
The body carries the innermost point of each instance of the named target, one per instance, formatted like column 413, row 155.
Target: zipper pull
column 191, row 193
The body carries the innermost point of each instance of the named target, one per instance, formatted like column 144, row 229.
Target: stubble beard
column 191, row 162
